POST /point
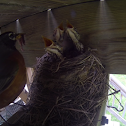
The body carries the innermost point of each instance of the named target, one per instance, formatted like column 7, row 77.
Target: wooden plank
column 24, row 95
column 109, row 119
column 29, row 76
column 116, row 115
column 113, row 101
column 113, row 123
column 101, row 113
column 124, row 111
column 118, row 85
column 15, row 119
column 16, row 9
column 101, row 26
column 120, row 100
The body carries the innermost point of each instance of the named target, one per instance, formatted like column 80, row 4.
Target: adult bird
column 12, row 68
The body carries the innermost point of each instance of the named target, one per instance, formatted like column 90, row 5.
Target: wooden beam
column 29, row 76
column 100, row 24
column 15, row 119
column 116, row 115
column 24, row 95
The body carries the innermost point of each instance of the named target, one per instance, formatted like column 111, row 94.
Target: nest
column 67, row 92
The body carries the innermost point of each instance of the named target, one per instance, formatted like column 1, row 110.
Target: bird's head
column 52, row 48
column 10, row 38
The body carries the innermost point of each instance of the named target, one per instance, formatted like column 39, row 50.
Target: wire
column 115, row 92
column 18, row 104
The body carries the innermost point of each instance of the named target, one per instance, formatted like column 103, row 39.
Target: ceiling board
column 102, row 28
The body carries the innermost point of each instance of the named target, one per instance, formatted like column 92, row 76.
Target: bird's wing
column 8, row 69
column 75, row 38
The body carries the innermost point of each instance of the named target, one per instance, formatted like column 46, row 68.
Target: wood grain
column 101, row 26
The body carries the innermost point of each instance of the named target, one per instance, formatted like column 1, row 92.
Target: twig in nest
column 98, row 61
column 48, row 115
column 59, row 65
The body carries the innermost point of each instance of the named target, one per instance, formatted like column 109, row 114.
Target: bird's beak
column 69, row 25
column 20, row 38
column 47, row 41
column 61, row 26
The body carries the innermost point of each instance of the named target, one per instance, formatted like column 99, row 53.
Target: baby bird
column 12, row 69
column 58, row 34
column 70, row 31
column 52, row 48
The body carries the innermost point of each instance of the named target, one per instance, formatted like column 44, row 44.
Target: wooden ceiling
column 102, row 26
column 17, row 9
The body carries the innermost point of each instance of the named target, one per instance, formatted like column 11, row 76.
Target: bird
column 75, row 37
column 58, row 34
column 53, row 48
column 12, row 68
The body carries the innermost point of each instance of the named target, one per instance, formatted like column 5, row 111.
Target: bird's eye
column 12, row 36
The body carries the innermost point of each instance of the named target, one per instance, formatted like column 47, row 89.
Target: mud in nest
column 66, row 93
